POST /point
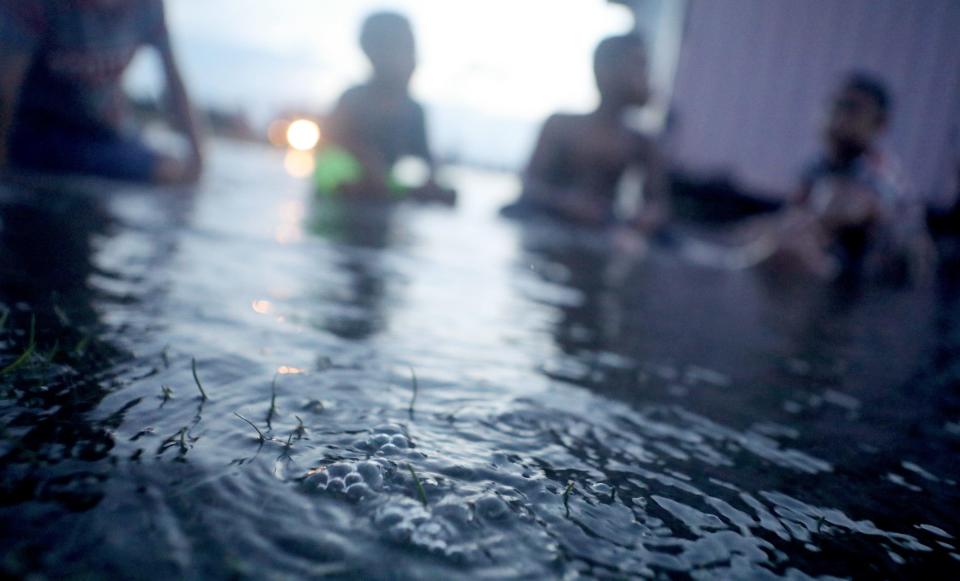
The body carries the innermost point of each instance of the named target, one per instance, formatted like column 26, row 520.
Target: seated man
column 852, row 214
column 580, row 160
column 62, row 107
column 377, row 124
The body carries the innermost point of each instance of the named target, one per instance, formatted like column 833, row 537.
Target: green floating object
column 336, row 167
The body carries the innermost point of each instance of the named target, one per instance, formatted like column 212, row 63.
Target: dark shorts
column 46, row 148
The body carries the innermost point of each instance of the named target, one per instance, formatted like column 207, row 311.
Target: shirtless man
column 579, row 160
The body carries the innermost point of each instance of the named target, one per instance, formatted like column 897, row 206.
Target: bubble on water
column 316, row 480
column 388, row 516
column 389, row 450
column 371, row 473
column 602, row 489
column 377, row 440
column 400, row 441
column 352, row 478
column 492, row 508
column 358, row 491
column 339, row 470
column 336, row 485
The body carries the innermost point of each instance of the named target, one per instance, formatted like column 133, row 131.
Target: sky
column 487, row 68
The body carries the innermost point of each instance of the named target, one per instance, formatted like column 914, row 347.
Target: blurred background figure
column 378, row 123
column 580, row 160
column 853, row 214
column 62, row 106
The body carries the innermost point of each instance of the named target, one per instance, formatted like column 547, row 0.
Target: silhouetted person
column 853, row 214
column 378, row 122
column 579, row 160
column 62, row 106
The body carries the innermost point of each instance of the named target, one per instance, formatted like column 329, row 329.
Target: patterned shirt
column 79, row 51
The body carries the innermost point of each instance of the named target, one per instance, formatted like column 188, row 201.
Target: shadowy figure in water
column 580, row 160
column 378, row 123
column 852, row 216
column 62, row 107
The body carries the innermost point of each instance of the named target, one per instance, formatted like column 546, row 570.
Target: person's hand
column 175, row 171
column 583, row 207
column 433, row 192
column 847, row 204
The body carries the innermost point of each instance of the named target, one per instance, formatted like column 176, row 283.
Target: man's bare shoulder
column 561, row 124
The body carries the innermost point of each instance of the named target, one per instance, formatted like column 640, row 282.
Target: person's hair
column 380, row 25
column 872, row 86
column 613, row 48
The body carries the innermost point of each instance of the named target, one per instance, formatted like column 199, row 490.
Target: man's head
column 859, row 115
column 620, row 66
column 387, row 40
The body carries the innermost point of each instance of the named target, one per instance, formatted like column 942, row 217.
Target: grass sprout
column 273, row 402
column 416, row 388
column 566, row 496
column 28, row 352
column 300, row 431
column 203, row 394
column 260, row 435
column 82, row 345
column 420, row 490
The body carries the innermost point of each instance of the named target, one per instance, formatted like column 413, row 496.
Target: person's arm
column 656, row 210
column 183, row 115
column 13, row 69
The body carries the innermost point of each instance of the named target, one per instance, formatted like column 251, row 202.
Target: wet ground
column 428, row 393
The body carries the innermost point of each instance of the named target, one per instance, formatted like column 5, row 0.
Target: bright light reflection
column 303, row 134
column 261, row 306
column 284, row 370
column 299, row 164
column 288, row 234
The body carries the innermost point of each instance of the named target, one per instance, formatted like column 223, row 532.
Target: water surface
column 442, row 393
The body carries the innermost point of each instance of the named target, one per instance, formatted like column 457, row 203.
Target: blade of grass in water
column 81, row 347
column 260, row 435
column 420, row 490
column 3, row 319
column 273, row 402
column 28, row 352
column 566, row 496
column 413, row 398
column 203, row 394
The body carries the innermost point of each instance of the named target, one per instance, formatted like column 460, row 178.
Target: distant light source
column 303, row 134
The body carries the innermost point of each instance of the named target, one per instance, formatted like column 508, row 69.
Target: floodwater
column 442, row 393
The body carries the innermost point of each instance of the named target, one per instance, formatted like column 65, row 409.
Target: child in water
column 579, row 160
column 378, row 123
column 852, row 214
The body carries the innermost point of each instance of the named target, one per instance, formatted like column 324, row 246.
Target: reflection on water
column 435, row 393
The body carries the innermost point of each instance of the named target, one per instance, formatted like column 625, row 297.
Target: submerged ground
column 439, row 392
